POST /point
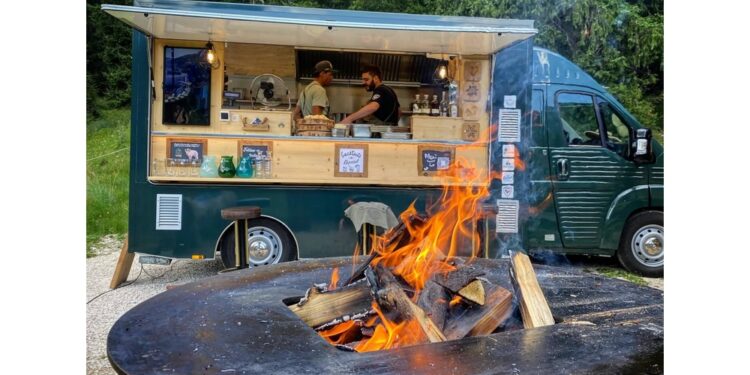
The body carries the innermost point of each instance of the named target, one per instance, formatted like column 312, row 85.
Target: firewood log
column 434, row 301
column 473, row 291
column 391, row 296
column 321, row 308
column 481, row 320
column 534, row 308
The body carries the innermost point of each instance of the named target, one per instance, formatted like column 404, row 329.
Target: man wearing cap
column 313, row 100
column 383, row 105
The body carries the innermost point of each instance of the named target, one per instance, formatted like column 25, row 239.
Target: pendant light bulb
column 210, row 55
column 442, row 72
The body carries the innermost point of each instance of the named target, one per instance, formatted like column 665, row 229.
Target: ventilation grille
column 510, row 125
column 507, row 216
column 168, row 211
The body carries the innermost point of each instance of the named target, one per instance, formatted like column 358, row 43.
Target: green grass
column 621, row 274
column 107, row 175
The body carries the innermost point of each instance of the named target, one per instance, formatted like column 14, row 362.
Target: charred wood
column 391, row 297
column 434, row 301
column 456, row 280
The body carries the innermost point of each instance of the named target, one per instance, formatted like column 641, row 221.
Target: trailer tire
column 269, row 241
column 641, row 248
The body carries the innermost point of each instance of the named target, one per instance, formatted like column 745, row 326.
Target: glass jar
column 245, row 167
column 171, row 167
column 208, row 167
column 268, row 160
column 226, row 166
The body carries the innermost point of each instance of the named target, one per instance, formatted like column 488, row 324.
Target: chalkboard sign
column 255, row 149
column 350, row 160
column 434, row 159
column 186, row 149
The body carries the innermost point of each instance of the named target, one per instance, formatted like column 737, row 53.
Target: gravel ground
column 102, row 312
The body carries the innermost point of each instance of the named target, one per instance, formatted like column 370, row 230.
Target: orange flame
column 334, row 279
column 345, row 331
column 390, row 335
column 455, row 301
column 450, row 230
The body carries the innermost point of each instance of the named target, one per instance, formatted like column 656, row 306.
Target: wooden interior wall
column 257, row 59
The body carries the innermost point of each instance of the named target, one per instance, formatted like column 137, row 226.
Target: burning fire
column 388, row 334
column 451, row 225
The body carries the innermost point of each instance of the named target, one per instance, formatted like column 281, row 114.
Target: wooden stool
column 240, row 216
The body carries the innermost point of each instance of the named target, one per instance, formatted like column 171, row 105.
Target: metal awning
column 321, row 28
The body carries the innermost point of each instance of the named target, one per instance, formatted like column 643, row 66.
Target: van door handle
column 562, row 169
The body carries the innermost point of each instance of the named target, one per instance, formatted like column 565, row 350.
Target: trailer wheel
column 642, row 244
column 268, row 242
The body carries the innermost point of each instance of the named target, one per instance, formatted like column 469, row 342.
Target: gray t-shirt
column 313, row 94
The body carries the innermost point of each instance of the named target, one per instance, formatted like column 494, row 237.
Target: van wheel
column 268, row 243
column 642, row 244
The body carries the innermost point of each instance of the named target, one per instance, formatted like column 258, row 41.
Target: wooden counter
column 313, row 160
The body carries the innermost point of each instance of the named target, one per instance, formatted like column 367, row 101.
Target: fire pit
column 238, row 323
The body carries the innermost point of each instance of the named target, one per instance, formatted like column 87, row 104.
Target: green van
column 593, row 176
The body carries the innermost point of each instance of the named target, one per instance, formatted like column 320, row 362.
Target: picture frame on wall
column 186, row 149
column 350, row 160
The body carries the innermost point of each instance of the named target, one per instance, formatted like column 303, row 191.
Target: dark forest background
column 618, row 42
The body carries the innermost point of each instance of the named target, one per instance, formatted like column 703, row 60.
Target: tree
column 618, row 42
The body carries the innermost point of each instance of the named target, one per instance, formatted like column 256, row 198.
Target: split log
column 324, row 307
column 456, row 280
column 391, row 296
column 482, row 320
column 474, row 292
column 534, row 308
column 434, row 301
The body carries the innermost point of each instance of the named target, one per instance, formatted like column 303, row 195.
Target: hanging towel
column 375, row 213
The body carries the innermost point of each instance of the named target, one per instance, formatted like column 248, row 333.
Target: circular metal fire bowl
column 236, row 323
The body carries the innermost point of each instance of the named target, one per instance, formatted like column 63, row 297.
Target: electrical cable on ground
column 134, row 280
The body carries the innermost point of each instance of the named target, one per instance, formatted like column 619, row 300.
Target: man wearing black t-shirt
column 383, row 104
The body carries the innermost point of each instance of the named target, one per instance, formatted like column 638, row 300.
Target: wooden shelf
column 433, row 182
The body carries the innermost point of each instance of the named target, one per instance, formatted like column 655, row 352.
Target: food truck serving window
column 187, row 86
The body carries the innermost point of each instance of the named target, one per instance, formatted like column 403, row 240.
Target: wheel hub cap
column 259, row 249
column 264, row 246
column 648, row 245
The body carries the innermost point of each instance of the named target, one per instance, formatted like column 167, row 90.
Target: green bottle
column 245, row 167
column 226, row 167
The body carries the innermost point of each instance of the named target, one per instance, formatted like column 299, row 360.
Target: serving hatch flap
column 321, row 28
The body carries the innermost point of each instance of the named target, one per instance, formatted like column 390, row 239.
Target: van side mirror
column 641, row 149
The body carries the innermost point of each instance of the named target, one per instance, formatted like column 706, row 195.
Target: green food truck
column 568, row 168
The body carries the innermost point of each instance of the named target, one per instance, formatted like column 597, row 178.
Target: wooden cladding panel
column 312, row 161
column 257, row 59
column 440, row 128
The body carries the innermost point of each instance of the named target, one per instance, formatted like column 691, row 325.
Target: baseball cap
column 324, row 66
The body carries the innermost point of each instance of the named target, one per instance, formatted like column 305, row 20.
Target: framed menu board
column 254, row 149
column 434, row 159
column 186, row 149
column 350, row 160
